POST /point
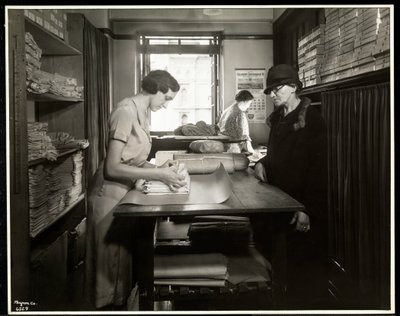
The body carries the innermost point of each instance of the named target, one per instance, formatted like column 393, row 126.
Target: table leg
column 279, row 267
column 145, row 258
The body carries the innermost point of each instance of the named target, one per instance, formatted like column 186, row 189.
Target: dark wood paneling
column 19, row 216
column 289, row 28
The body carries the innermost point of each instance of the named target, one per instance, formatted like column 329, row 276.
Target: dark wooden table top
column 249, row 196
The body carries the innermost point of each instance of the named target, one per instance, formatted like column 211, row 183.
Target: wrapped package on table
column 208, row 163
column 154, row 187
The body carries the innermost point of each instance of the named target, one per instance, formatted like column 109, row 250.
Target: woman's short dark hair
column 243, row 96
column 159, row 80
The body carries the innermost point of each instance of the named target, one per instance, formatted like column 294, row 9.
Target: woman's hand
column 171, row 177
column 260, row 172
column 302, row 221
column 249, row 147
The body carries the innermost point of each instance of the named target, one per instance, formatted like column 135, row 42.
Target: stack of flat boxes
column 53, row 20
column 382, row 46
column 348, row 21
column 365, row 41
column 331, row 51
column 310, row 55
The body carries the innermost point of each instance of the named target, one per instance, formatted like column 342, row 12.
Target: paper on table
column 211, row 188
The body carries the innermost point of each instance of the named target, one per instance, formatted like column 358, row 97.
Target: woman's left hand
column 302, row 222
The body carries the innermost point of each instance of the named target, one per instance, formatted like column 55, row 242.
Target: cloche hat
column 282, row 74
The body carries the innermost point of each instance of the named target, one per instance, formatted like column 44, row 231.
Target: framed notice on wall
column 253, row 80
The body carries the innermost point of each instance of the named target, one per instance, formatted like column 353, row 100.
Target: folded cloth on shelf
column 63, row 141
column 245, row 268
column 191, row 282
column 220, row 232
column 193, row 266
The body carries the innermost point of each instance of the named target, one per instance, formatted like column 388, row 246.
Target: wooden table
column 249, row 196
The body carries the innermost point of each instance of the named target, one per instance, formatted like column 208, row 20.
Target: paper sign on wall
column 253, row 80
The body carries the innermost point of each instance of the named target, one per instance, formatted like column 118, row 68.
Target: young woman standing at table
column 110, row 242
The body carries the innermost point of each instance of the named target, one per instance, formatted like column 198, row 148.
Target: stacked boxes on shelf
column 331, row 51
column 381, row 49
column 357, row 40
column 310, row 55
column 348, row 21
column 365, row 40
column 53, row 20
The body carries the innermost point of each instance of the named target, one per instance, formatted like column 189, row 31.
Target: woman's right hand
column 260, row 172
column 171, row 177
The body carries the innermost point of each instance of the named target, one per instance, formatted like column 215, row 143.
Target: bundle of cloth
column 39, row 143
column 33, row 53
column 40, row 81
column 220, row 231
column 201, row 128
column 65, row 141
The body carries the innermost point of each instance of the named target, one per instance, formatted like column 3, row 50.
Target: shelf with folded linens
column 230, row 267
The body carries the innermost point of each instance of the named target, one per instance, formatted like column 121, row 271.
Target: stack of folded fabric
column 39, row 81
column 39, row 143
column 220, row 231
column 33, row 53
column 64, row 141
column 155, row 187
column 75, row 190
column 205, row 269
column 61, row 180
column 65, row 86
column 38, row 198
column 52, row 188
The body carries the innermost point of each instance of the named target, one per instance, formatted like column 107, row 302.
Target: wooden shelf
column 66, row 210
column 48, row 42
column 371, row 77
column 49, row 97
column 61, row 154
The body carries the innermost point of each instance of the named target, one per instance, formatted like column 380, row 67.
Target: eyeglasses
column 275, row 89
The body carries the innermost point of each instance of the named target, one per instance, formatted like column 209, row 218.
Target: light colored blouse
column 233, row 123
column 129, row 125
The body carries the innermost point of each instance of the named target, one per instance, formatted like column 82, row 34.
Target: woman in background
column 233, row 123
column 110, row 241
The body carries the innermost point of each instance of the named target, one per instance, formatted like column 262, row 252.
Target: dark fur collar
column 301, row 117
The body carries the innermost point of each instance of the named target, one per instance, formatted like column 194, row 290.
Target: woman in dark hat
column 296, row 163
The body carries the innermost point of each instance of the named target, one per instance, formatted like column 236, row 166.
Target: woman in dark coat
column 296, row 163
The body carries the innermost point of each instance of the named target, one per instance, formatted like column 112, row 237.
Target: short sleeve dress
column 109, row 247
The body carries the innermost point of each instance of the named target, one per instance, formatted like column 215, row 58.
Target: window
column 193, row 61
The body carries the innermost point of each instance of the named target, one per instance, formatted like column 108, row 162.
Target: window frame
column 144, row 49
